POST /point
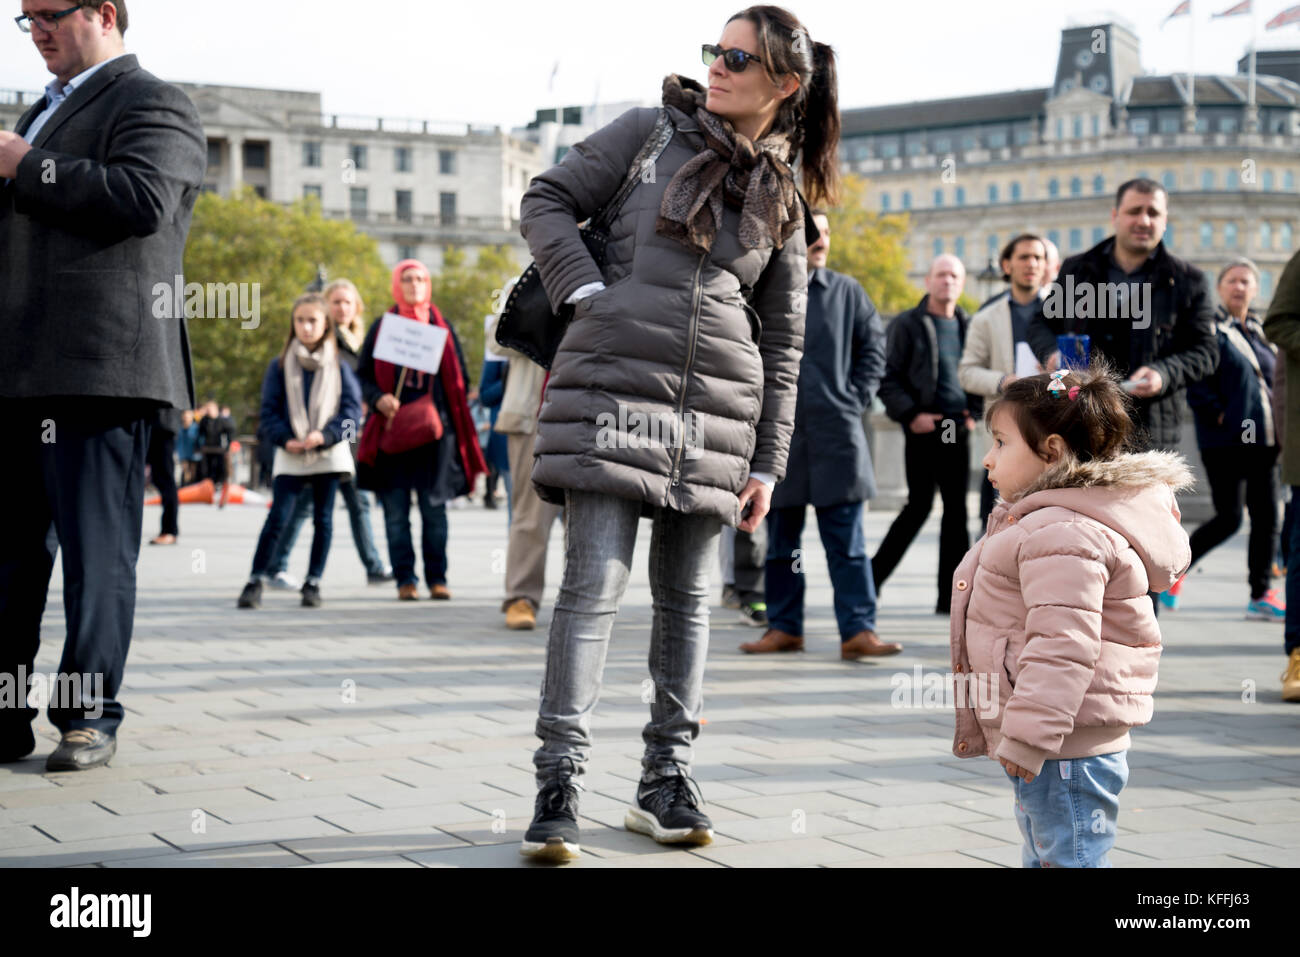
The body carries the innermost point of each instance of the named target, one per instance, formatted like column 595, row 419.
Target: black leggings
column 1228, row 469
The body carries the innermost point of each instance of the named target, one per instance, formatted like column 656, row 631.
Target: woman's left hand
column 758, row 496
column 314, row 440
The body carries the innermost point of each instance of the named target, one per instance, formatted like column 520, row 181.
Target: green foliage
column 244, row 239
column 871, row 248
column 465, row 294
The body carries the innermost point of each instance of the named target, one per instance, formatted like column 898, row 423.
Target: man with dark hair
column 988, row 360
column 1144, row 309
column 97, row 187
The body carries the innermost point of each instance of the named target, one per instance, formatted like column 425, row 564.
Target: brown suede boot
column 865, row 644
column 773, row 640
column 408, row 593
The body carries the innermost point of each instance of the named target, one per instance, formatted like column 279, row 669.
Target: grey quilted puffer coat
column 672, row 338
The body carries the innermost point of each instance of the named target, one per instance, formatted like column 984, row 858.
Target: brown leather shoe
column 408, row 593
column 439, row 593
column 865, row 644
column 773, row 640
column 520, row 615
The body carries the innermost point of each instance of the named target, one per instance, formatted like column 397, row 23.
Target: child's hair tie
column 1056, row 386
column 1074, row 392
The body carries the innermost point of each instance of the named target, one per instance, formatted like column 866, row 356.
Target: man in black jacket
column 1145, row 310
column 97, row 186
column 923, row 394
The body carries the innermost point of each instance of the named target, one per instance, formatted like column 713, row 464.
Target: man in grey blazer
column 97, row 187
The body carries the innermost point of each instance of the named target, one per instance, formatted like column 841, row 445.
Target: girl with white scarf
column 311, row 408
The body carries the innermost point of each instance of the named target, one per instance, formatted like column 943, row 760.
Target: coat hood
column 1131, row 494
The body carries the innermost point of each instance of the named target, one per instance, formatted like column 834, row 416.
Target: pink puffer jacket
column 1052, row 627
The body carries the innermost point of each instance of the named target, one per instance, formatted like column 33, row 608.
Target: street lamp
column 987, row 277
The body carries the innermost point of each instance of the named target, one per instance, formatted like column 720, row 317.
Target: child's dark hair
column 1095, row 424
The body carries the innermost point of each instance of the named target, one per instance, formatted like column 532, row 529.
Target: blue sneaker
column 1271, row 607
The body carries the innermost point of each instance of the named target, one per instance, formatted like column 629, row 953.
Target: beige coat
column 1052, row 626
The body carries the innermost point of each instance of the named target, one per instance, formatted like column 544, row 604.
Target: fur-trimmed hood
column 1131, row 494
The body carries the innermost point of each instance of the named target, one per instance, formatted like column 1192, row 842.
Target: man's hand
column 1153, row 385
column 925, row 422
column 1006, row 380
column 314, row 440
column 388, row 406
column 295, row 447
column 1016, row 771
column 758, row 496
column 12, row 150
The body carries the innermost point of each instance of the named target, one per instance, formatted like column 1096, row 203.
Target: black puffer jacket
column 671, row 341
column 1178, row 340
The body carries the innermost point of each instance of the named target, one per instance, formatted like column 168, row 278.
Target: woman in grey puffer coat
column 673, row 391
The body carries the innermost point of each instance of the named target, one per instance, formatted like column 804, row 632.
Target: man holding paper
column 996, row 352
column 422, row 439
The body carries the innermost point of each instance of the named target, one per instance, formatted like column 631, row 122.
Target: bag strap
column 644, row 161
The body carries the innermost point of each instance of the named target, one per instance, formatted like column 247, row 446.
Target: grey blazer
column 96, row 218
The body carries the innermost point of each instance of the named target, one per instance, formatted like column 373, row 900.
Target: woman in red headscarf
column 438, row 470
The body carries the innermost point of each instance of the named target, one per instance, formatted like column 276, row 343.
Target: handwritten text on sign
column 405, row 342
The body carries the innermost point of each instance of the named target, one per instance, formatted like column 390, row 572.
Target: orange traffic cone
column 198, row 494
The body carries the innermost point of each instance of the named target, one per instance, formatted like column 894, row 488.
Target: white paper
column 1026, row 364
column 415, row 345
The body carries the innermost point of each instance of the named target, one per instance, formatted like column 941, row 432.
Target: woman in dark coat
column 436, row 472
column 672, row 393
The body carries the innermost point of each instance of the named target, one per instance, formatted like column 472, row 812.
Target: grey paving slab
column 242, row 717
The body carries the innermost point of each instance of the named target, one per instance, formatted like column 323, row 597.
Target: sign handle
column 401, row 384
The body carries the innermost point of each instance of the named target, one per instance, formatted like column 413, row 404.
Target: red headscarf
column 453, row 379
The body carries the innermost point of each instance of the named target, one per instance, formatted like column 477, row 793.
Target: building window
column 447, row 162
column 888, row 148
column 1284, row 235
column 1139, row 126
column 359, row 202
column 447, row 207
column 1024, row 136
column 1265, row 236
column 961, row 195
column 1267, row 181
column 1015, row 192
column 1096, row 125
column 915, row 147
column 1098, row 234
column 1076, row 186
column 1168, row 238
column 1060, row 128
column 884, row 202
column 214, row 153
column 360, row 156
column 959, row 247
column 1098, row 184
column 1202, row 124
column 969, row 142
column 993, row 246
column 942, row 145
column 405, row 205
column 406, row 251
column 997, row 139
column 1288, row 181
column 1207, row 179
column 993, row 192
column 1076, row 240
column 1055, row 236
column 1169, row 123
column 1168, row 180
column 1266, row 284
column 1078, row 127
column 1053, row 187
column 938, row 246
column 1230, row 235
column 313, row 189
column 938, row 197
column 1207, row 235
column 1227, row 124
column 907, row 199
column 402, row 159
column 559, row 153
column 1230, row 179
column 311, row 154
column 255, row 155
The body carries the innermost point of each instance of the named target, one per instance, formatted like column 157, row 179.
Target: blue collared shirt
column 56, row 93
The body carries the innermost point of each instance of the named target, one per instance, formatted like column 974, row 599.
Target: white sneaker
column 283, row 581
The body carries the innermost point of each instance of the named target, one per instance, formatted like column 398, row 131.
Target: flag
column 1182, row 10
column 1243, row 7
column 1289, row 15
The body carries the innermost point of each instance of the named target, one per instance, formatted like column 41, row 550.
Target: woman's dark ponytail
column 821, row 129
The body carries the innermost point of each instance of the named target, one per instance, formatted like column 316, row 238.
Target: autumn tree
column 465, row 294
column 872, row 249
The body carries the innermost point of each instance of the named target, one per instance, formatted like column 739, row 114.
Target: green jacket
column 1282, row 326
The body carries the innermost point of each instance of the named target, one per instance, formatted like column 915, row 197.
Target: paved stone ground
column 239, row 748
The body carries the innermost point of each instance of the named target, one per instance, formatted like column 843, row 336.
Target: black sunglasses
column 735, row 60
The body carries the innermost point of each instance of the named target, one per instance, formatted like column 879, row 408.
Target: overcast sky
column 491, row 61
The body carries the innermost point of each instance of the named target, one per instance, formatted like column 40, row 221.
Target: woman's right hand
column 388, row 406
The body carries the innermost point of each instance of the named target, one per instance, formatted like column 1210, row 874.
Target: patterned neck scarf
column 754, row 177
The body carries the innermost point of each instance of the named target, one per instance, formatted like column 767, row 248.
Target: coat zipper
column 697, row 290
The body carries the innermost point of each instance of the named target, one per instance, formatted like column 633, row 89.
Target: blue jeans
column 599, row 538
column 286, row 491
column 363, row 537
column 1067, row 814
column 846, row 554
column 433, row 536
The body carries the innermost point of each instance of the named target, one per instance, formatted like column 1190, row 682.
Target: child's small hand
column 1016, row 771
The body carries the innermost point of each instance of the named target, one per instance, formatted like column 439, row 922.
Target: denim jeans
column 599, row 539
column 363, row 536
column 286, row 491
column 846, row 554
column 1067, row 814
column 433, row 536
